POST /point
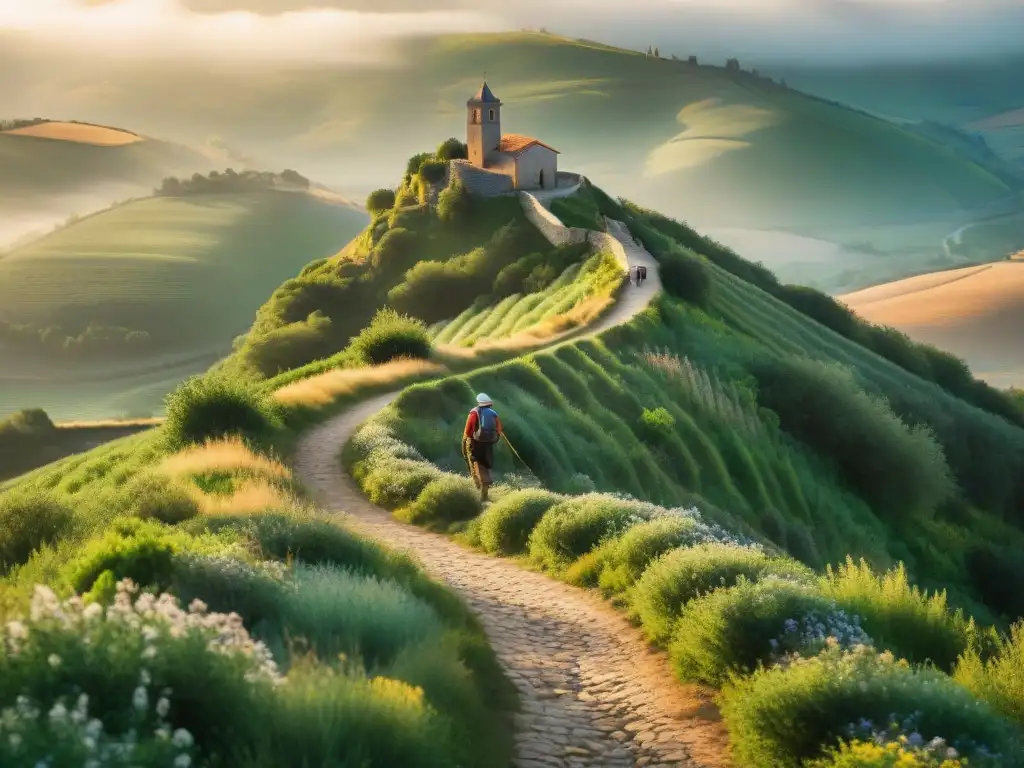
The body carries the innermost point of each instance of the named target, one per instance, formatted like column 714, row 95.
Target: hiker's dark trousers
column 482, row 455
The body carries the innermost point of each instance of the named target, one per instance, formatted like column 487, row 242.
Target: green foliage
column 729, row 630
column 29, row 521
column 26, row 441
column 209, row 407
column 380, row 200
column 396, row 250
column 900, row 470
column 452, row 149
column 661, row 594
column 391, row 335
column 900, row 617
column 995, row 572
column 447, row 499
column 895, row 754
column 228, row 182
column 433, row 171
column 506, row 525
column 685, row 276
column 153, row 496
column 782, row 716
column 823, row 308
column 1000, row 679
column 657, row 425
column 455, row 204
column 413, row 166
column 144, row 554
column 575, row 526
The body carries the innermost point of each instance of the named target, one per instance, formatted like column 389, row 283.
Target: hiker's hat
column 483, row 399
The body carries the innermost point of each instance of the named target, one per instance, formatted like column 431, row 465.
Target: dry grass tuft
column 250, row 496
column 95, row 135
column 324, row 389
column 226, row 455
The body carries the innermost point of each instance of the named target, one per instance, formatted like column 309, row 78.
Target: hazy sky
column 817, row 30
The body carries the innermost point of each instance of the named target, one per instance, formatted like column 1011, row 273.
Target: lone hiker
column 483, row 430
column 641, row 274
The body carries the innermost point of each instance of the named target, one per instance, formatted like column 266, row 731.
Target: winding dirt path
column 593, row 692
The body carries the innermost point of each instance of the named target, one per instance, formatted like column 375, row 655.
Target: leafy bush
column 506, row 525
column 339, row 612
column 380, row 200
column 27, row 522
column 432, row 171
column 447, row 499
column 781, row 716
column 575, row 526
column 455, row 204
column 391, row 335
column 452, row 149
column 208, row 407
column 158, row 497
column 898, row 469
column 657, row 425
column 733, row 629
column 822, row 308
column 619, row 562
column 395, row 251
column 141, row 553
column 661, row 593
column 899, row 617
column 1000, row 679
column 413, row 166
column 685, row 276
column 511, row 279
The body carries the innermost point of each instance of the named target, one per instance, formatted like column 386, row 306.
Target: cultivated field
column 79, row 133
column 975, row 313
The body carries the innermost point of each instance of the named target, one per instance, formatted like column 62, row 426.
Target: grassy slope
column 189, row 271
column 607, row 110
column 33, row 168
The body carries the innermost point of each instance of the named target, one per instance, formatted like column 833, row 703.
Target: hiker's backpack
column 486, row 425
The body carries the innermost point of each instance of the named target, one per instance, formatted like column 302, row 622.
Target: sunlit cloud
column 165, row 28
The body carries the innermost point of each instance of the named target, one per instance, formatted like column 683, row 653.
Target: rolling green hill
column 714, row 146
column 139, row 294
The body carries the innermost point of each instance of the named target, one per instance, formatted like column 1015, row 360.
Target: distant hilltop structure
column 500, row 163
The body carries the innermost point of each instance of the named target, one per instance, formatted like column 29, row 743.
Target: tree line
column 230, row 181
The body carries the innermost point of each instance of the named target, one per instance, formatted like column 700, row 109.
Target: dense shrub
column 447, row 499
column 452, row 149
column 506, row 525
column 736, row 628
column 900, row 617
column 391, row 335
column 432, row 171
column 1000, row 679
column 997, row 571
column 685, row 276
column 380, row 200
column 575, row 526
column 619, row 562
column 27, row 522
column 143, row 553
column 395, row 251
column 656, row 425
column 413, row 166
column 823, row 308
column 898, row 469
column 670, row 582
column 782, row 716
column 158, row 497
column 455, row 204
column 209, row 407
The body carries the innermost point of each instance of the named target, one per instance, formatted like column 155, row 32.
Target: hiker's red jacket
column 472, row 420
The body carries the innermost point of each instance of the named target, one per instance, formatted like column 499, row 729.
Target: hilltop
column 103, row 316
column 714, row 145
column 699, row 456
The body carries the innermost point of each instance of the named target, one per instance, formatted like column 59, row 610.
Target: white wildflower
column 53, row 660
column 140, row 700
column 182, row 739
column 163, row 706
column 182, row 761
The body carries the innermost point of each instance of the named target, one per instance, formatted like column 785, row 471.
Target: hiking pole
column 516, row 454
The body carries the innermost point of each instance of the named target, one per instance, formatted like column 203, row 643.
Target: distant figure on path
column 483, row 430
column 641, row 274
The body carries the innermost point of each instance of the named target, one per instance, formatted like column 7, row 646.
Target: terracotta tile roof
column 514, row 143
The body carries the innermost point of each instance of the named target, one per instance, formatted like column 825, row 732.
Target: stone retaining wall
column 480, row 181
column 556, row 233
